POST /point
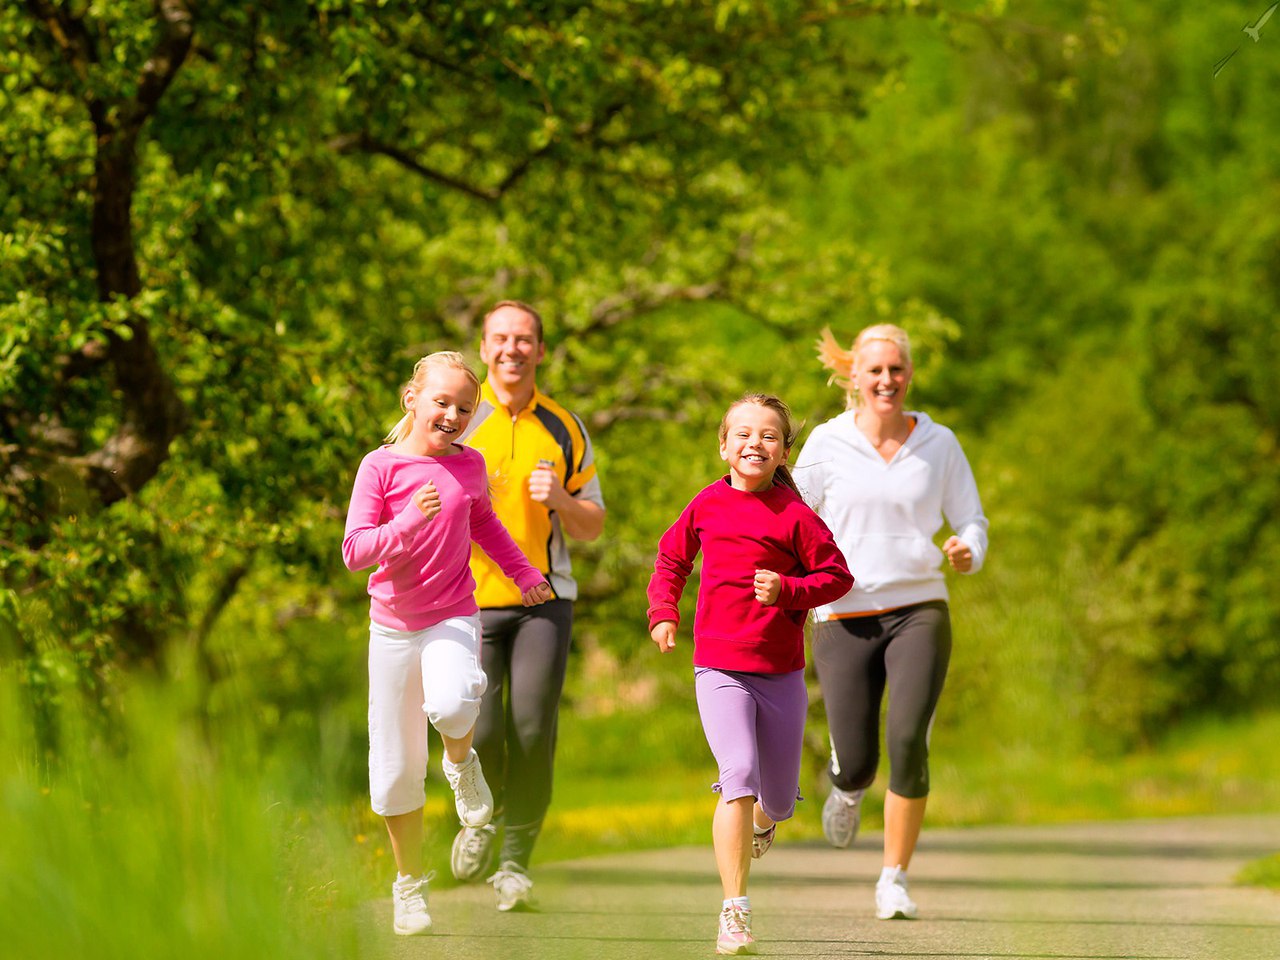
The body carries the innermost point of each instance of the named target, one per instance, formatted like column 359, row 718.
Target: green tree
column 229, row 228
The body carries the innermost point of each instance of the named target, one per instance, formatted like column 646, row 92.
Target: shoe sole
column 836, row 843
column 746, row 949
column 758, row 850
column 896, row 915
column 520, row 906
column 465, row 877
column 841, row 842
column 404, row 932
column 475, row 823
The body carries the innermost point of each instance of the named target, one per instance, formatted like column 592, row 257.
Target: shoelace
column 414, row 890
column 467, row 780
column 473, row 843
column 511, row 882
column 896, row 887
column 734, row 920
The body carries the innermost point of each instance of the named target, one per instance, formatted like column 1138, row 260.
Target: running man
column 542, row 477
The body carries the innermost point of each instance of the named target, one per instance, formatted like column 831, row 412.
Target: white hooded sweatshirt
column 885, row 515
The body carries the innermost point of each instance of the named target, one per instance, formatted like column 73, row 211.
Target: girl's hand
column 427, row 499
column 539, row 593
column 664, row 635
column 959, row 554
column 767, row 586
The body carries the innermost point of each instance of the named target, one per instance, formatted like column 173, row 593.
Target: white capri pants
column 435, row 671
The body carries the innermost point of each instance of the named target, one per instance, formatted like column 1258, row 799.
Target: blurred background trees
column 227, row 230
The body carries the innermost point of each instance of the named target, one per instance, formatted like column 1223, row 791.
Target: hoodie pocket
column 880, row 559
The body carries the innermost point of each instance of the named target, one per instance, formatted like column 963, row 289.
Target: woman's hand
column 427, row 499
column 767, row 586
column 664, row 635
column 959, row 554
column 539, row 593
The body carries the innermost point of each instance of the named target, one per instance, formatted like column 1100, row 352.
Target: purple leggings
column 754, row 723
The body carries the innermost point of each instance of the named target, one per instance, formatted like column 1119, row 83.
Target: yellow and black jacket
column 512, row 446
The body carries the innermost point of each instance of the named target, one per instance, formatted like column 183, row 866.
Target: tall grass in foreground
column 154, row 839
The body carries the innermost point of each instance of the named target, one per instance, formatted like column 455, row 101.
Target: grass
column 1209, row 767
column 151, row 841
column 1261, row 873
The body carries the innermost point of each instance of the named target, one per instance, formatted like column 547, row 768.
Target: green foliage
column 1090, row 208
column 319, row 194
column 1074, row 219
column 1071, row 215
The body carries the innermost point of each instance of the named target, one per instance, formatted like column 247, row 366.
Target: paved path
column 1150, row 889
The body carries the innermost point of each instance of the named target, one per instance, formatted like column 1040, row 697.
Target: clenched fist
column 959, row 553
column 427, row 499
column 767, row 585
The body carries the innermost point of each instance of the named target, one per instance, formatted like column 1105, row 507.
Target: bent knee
column 777, row 811
column 454, row 711
column 910, row 781
column 853, row 778
column 454, row 717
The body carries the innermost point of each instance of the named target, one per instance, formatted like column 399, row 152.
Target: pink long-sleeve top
column 739, row 532
column 424, row 571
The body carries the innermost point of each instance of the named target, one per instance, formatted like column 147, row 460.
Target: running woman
column 417, row 504
column 883, row 479
column 767, row 560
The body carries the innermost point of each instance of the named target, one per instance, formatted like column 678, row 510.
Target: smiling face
column 881, row 376
column 441, row 408
column 754, row 445
column 512, row 349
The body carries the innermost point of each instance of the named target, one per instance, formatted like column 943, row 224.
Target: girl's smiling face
column 441, row 409
column 754, row 445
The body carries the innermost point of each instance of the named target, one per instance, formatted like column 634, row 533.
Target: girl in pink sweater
column 767, row 560
column 417, row 504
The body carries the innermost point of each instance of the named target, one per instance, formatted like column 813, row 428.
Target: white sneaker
column 472, row 854
column 841, row 815
column 513, row 887
column 892, row 899
column 409, row 898
column 761, row 842
column 471, row 794
column 733, row 938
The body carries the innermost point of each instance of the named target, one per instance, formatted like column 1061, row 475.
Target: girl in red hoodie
column 767, row 560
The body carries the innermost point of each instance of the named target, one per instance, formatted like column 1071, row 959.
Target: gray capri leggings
column 908, row 649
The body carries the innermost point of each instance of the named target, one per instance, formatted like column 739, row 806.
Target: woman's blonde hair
column 790, row 429
column 841, row 362
column 450, row 359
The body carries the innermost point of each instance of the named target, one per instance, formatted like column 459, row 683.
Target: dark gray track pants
column 525, row 653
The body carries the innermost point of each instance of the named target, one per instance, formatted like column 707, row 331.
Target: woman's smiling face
column 881, row 376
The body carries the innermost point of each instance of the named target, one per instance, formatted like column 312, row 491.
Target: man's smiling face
column 511, row 348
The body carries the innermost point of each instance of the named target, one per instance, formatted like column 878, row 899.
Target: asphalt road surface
column 1148, row 889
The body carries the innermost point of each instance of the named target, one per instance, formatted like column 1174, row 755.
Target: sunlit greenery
column 1077, row 221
